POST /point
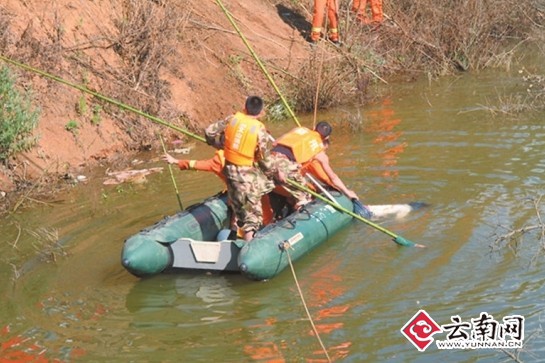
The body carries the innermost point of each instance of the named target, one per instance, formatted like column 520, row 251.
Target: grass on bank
column 18, row 115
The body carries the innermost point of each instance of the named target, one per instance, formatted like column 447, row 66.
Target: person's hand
column 210, row 140
column 350, row 194
column 169, row 159
column 281, row 177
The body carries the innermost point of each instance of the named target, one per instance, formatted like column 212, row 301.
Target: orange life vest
column 315, row 168
column 303, row 143
column 241, row 139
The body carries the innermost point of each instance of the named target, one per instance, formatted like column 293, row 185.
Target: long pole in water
column 396, row 238
column 172, row 175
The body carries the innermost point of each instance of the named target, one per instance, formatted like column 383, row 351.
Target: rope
column 322, row 54
column 286, row 247
column 258, row 61
column 172, row 175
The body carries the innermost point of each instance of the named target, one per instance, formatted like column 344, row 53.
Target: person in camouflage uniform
column 292, row 170
column 246, row 144
column 215, row 165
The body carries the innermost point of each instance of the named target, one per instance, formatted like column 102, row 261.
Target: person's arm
column 323, row 159
column 264, row 147
column 182, row 164
column 213, row 133
column 212, row 165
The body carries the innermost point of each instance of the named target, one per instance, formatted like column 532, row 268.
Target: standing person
column 332, row 20
column 359, row 7
column 308, row 147
column 215, row 165
column 245, row 142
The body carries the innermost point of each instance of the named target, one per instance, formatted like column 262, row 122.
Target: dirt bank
column 182, row 61
column 205, row 71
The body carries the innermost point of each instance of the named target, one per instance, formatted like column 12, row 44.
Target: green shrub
column 81, row 107
column 96, row 118
column 18, row 118
column 72, row 126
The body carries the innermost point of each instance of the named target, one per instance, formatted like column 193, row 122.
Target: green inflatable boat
column 188, row 240
column 195, row 239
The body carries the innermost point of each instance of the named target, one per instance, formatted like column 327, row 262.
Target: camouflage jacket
column 214, row 137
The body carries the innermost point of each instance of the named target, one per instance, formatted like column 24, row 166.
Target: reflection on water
column 424, row 142
column 383, row 123
column 199, row 299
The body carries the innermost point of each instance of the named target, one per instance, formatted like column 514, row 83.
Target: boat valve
column 284, row 245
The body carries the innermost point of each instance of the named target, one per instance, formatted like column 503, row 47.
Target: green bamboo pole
column 258, row 61
column 172, row 175
column 101, row 97
column 396, row 238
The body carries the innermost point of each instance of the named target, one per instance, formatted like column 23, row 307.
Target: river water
column 482, row 175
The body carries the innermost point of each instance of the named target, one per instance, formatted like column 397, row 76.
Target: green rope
column 259, row 63
column 102, row 97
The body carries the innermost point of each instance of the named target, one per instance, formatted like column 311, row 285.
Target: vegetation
column 146, row 37
column 19, row 117
column 95, row 118
column 72, row 126
column 128, row 59
column 81, row 107
column 429, row 37
column 529, row 239
column 46, row 244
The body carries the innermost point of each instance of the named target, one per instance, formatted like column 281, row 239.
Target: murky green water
column 426, row 142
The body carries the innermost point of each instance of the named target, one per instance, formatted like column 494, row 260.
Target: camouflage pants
column 245, row 187
column 292, row 170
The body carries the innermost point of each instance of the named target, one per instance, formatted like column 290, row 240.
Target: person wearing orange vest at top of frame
column 215, row 165
column 359, row 7
column 308, row 147
column 332, row 20
column 246, row 146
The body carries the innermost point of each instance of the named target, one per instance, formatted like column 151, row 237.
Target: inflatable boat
column 189, row 240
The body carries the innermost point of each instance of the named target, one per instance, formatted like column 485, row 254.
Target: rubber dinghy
column 187, row 240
